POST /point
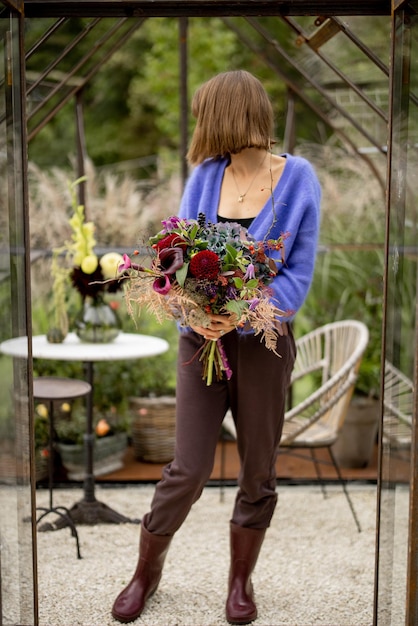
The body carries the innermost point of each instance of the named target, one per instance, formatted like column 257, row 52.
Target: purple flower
column 231, row 292
column 253, row 303
column 170, row 224
column 224, row 359
column 209, row 289
column 162, row 285
column 250, row 273
column 127, row 264
column 170, row 260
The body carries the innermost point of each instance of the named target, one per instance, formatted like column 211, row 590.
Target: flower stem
column 210, row 363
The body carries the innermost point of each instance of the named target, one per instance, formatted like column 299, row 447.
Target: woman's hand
column 219, row 326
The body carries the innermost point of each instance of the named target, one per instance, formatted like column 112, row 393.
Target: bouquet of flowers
column 197, row 268
column 88, row 273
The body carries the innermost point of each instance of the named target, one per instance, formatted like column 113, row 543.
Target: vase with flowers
column 98, row 321
column 92, row 276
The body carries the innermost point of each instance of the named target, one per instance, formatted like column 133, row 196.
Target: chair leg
column 343, row 485
column 318, row 472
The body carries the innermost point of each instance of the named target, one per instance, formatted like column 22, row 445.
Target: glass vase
column 97, row 323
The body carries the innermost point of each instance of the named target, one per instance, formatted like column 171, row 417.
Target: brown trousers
column 256, row 395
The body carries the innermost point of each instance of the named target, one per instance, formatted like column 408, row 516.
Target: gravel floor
column 314, row 568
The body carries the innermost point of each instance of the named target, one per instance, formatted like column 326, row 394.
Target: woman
column 238, row 179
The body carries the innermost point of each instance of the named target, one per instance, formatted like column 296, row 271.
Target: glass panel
column 17, row 571
column 394, row 584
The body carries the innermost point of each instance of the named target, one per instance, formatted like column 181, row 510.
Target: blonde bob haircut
column 232, row 112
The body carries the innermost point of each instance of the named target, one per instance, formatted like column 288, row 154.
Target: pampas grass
column 353, row 202
column 122, row 211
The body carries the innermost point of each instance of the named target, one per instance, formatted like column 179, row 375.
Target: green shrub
column 348, row 278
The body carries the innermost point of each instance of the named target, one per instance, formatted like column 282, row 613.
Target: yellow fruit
column 42, row 411
column 110, row 263
column 89, row 264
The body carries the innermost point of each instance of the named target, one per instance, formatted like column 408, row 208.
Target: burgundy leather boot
column 245, row 547
column 152, row 552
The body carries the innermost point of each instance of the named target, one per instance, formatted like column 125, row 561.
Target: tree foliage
column 131, row 105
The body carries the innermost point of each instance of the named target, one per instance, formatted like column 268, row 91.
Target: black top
column 243, row 221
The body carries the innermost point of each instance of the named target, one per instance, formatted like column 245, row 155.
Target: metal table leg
column 89, row 510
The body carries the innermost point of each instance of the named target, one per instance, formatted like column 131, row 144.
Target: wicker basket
column 153, row 428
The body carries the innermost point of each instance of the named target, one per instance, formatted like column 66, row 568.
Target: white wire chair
column 398, row 401
column 332, row 355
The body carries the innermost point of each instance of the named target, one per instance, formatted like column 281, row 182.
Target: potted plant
column 111, row 440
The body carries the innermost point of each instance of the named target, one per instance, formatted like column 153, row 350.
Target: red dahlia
column 205, row 265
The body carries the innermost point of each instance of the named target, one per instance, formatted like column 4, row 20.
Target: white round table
column 126, row 346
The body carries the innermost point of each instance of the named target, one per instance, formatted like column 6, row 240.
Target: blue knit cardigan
column 297, row 206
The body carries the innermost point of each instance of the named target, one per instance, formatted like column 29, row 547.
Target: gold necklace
column 241, row 196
